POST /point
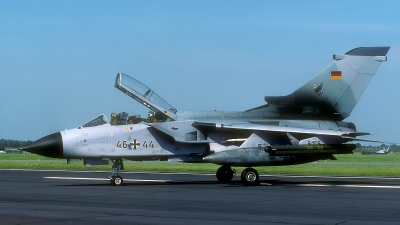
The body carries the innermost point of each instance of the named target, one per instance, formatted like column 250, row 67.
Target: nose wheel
column 250, row 176
column 116, row 179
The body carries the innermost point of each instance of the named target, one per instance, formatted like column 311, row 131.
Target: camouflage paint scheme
column 304, row 126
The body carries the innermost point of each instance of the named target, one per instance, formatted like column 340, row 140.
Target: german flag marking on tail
column 336, row 74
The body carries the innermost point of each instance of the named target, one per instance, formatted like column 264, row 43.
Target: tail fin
column 333, row 93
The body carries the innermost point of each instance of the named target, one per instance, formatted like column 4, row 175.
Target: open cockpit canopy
column 144, row 95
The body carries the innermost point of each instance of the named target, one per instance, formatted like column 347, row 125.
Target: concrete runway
column 67, row 197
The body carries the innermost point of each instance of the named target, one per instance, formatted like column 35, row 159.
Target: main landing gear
column 249, row 175
column 118, row 165
column 225, row 173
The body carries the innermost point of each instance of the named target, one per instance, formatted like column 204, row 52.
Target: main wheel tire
column 250, row 176
column 116, row 180
column 224, row 174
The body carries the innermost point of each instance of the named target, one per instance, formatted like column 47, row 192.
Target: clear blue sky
column 59, row 59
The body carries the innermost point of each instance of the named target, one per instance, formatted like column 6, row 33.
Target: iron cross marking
column 135, row 144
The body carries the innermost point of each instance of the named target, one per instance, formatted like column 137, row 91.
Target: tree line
column 7, row 143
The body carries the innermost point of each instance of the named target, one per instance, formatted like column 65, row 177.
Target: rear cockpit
column 124, row 118
column 161, row 110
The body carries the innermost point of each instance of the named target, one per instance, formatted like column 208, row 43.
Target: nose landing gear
column 118, row 165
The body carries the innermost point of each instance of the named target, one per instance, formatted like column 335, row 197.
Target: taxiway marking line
column 75, row 178
column 348, row 185
column 209, row 174
column 164, row 181
column 103, row 179
column 330, row 177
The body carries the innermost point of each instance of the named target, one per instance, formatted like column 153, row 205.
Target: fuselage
column 143, row 142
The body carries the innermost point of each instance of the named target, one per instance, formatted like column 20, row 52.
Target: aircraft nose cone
column 50, row 146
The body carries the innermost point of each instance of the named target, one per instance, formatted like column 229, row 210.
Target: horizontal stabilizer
column 368, row 140
column 327, row 136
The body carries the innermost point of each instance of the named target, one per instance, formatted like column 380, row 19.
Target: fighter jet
column 382, row 151
column 302, row 127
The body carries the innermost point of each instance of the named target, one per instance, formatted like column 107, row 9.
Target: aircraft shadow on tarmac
column 234, row 183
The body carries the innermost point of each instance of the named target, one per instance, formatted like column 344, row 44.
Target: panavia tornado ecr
column 302, row 127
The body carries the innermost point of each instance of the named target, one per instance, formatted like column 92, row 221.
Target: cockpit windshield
column 100, row 120
column 141, row 93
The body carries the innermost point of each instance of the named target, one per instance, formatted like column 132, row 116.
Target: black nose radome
column 50, row 146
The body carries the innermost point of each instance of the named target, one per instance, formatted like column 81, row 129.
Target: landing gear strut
column 118, row 165
column 250, row 177
column 225, row 173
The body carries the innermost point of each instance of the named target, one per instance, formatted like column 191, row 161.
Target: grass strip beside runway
column 346, row 165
